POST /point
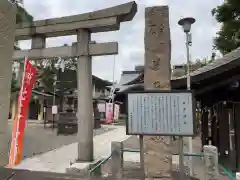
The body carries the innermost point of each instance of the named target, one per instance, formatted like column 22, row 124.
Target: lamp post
column 186, row 24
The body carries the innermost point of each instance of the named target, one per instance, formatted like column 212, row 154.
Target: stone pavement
column 38, row 140
column 59, row 159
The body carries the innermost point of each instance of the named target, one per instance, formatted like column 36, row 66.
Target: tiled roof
column 226, row 59
column 226, row 63
column 128, row 78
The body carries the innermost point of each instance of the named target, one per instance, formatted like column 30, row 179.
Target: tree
column 228, row 14
column 21, row 16
column 46, row 70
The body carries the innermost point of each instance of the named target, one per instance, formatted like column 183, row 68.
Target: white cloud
column 131, row 34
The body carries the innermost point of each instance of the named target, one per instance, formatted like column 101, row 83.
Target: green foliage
column 228, row 14
column 45, row 76
column 47, row 70
column 23, row 15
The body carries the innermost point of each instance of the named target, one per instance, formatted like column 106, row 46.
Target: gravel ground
column 38, row 140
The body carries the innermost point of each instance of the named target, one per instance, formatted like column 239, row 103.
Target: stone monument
column 7, row 33
column 157, row 75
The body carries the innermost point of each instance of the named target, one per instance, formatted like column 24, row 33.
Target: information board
column 165, row 113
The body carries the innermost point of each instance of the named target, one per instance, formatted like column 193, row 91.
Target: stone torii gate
column 82, row 25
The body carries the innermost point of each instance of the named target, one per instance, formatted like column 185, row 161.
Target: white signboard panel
column 161, row 113
column 102, row 107
column 54, row 109
column 116, row 112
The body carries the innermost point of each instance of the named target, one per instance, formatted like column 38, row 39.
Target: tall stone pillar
column 157, row 74
column 7, row 36
column 85, row 107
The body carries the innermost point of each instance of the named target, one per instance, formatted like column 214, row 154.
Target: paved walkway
column 59, row 159
column 38, row 140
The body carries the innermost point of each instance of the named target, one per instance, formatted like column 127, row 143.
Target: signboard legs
column 181, row 158
column 142, row 155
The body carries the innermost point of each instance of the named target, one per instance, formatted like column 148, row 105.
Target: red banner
column 28, row 81
column 109, row 113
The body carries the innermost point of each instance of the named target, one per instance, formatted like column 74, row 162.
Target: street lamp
column 186, row 24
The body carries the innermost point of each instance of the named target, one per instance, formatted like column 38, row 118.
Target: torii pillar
column 7, row 34
column 85, row 107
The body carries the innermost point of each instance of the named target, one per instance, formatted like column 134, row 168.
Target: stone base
column 83, row 168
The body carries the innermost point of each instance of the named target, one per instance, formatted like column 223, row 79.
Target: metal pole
column 190, row 148
column 188, row 63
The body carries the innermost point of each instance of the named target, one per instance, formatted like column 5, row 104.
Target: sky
column 131, row 34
